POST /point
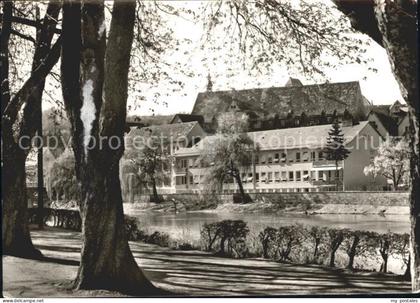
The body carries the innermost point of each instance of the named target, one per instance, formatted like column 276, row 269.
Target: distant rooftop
column 390, row 123
column 187, row 118
column 293, row 98
column 293, row 82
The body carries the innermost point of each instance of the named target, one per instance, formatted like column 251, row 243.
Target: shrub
column 358, row 243
column 288, row 237
column 209, row 233
column 158, row 238
column 133, row 232
column 316, row 234
column 158, row 199
column 226, row 237
column 402, row 248
column 237, row 198
column 183, row 246
column 253, row 244
column 391, row 243
column 336, row 237
column 267, row 236
column 61, row 180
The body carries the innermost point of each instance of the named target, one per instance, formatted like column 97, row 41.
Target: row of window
column 281, row 190
column 285, row 176
column 266, row 177
column 192, row 179
column 280, row 157
column 283, row 157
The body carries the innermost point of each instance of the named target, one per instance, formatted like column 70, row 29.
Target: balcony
column 324, row 182
column 180, row 170
column 321, row 163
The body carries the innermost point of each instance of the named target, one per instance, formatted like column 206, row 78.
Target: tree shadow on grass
column 208, row 274
column 202, row 274
column 59, row 261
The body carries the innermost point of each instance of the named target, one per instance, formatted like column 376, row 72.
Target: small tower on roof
column 209, row 87
column 293, row 82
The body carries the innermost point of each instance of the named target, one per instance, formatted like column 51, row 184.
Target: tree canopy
column 391, row 162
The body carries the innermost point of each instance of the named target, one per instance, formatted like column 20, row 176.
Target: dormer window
column 233, row 105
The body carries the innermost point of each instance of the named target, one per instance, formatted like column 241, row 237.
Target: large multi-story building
column 288, row 160
column 290, row 126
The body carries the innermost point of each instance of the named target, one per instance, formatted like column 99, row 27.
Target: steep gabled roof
column 383, row 109
column 310, row 99
column 390, row 123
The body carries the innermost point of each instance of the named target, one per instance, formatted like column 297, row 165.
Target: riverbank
column 186, row 273
column 273, row 208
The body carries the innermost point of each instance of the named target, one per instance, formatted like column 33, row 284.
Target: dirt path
column 185, row 272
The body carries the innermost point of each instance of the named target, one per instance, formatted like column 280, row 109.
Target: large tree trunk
column 107, row 262
column 352, row 252
column 15, row 233
column 106, row 259
column 241, row 187
column 16, row 237
column 332, row 258
column 317, row 242
column 397, row 23
column 415, row 202
column 336, row 175
column 393, row 25
column 384, row 265
column 154, row 189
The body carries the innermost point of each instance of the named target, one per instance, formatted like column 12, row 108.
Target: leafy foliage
column 336, row 237
column 390, row 244
column 335, row 149
column 391, row 162
column 309, row 37
column 288, row 238
column 229, row 151
column 226, row 237
column 266, row 237
column 316, row 234
column 154, row 48
column 150, row 163
column 359, row 243
column 62, row 178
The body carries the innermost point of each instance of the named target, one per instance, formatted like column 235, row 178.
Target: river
column 187, row 225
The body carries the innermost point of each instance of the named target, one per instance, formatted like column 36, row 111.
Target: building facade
column 172, row 137
column 288, row 160
column 290, row 126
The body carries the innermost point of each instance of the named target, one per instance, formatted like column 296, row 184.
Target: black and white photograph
column 210, row 149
